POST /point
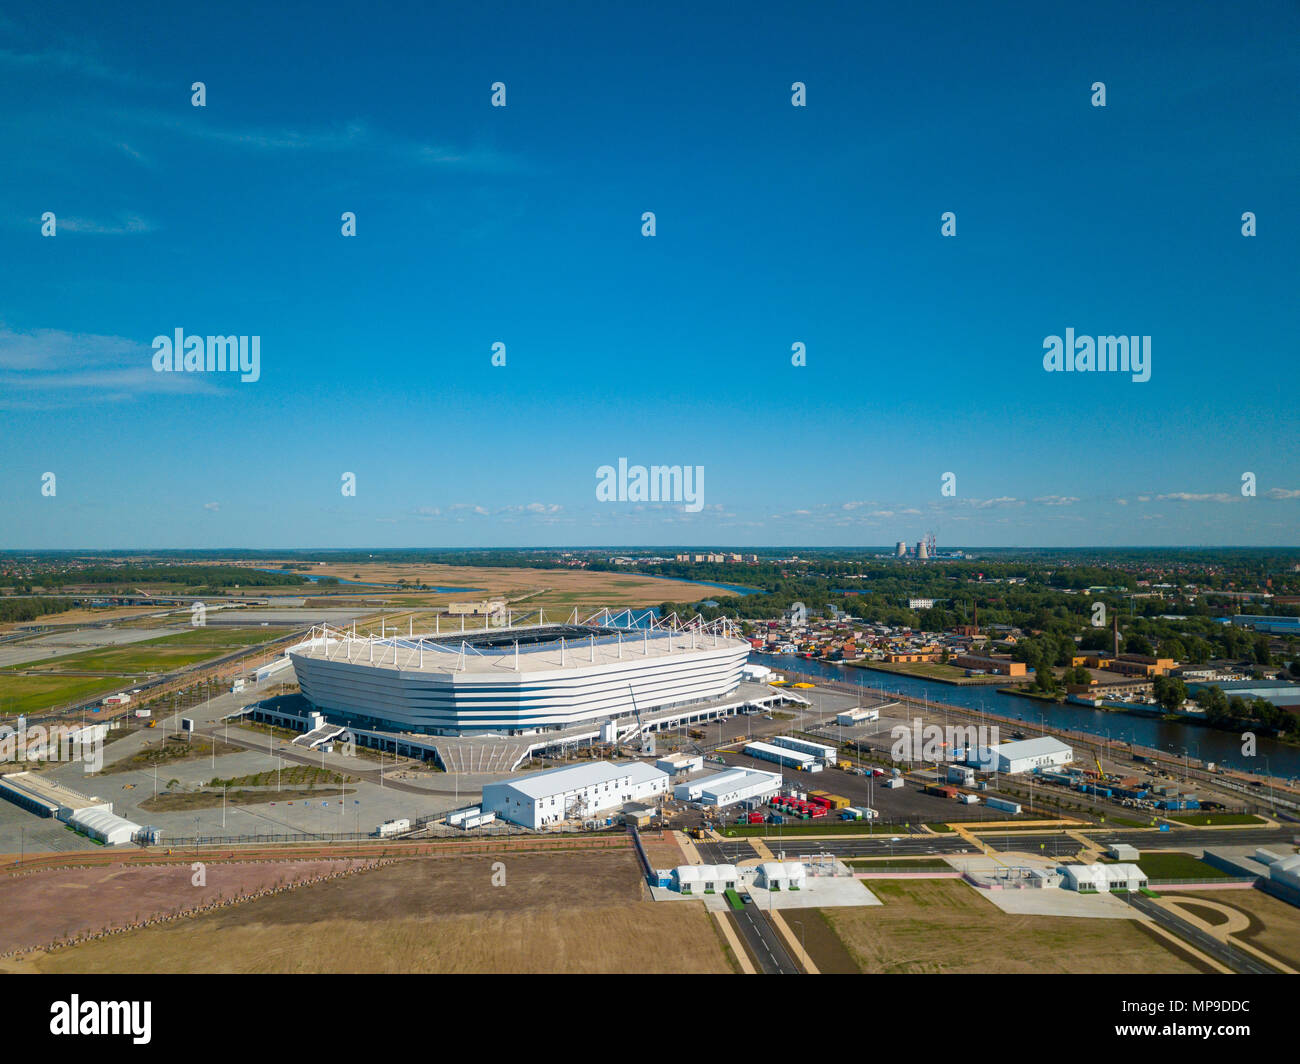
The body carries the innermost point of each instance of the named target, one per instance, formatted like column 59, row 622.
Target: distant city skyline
column 780, row 232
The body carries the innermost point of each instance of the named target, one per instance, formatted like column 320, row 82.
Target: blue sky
column 522, row 224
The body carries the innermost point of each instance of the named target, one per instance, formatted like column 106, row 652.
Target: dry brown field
column 571, row 912
column 944, row 925
column 1274, row 925
column 574, row 586
column 46, row 906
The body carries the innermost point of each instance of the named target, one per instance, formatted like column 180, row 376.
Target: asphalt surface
column 1239, row 961
column 763, row 940
column 851, row 846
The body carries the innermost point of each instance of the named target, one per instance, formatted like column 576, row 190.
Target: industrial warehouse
column 1027, row 755
column 573, row 793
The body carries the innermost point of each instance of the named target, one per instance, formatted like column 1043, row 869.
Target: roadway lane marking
column 729, row 933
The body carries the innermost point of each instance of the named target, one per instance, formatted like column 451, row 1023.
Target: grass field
column 813, row 827
column 30, row 694
column 1202, row 820
column 1178, row 866
column 571, row 912
column 155, row 655
column 943, row 925
column 1274, row 925
column 919, row 864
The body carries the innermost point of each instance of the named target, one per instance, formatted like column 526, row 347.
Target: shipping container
column 894, row 782
column 1003, row 804
column 393, row 827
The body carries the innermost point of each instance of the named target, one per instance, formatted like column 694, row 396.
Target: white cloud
column 126, row 224
column 1189, row 496
column 50, row 367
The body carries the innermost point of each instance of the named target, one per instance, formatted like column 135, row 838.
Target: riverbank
column 923, row 670
column 1168, row 738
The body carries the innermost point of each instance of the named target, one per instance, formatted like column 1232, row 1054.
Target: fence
column 437, row 831
column 1202, row 881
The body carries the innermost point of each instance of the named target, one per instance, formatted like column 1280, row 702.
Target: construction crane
column 640, row 726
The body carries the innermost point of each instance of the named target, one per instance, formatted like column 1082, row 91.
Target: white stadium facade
column 519, row 679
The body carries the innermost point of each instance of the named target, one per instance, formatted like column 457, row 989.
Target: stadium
column 519, row 679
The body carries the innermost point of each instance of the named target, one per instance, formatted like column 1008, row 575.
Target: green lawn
column 1201, row 820
column 1178, row 866
column 919, row 864
column 814, row 827
column 156, row 655
column 30, row 694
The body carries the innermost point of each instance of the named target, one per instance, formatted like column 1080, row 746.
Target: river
column 1200, row 741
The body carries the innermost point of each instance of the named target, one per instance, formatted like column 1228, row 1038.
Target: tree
column 1138, row 644
column 1170, row 692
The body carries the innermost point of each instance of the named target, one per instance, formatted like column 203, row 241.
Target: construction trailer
column 805, row 746
column 781, row 755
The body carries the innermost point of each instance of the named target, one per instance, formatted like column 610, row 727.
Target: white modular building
column 1104, row 877
column 679, row 764
column 781, row 875
column 804, row 746
column 703, row 878
column 856, row 716
column 1023, row 756
column 727, row 788
column 793, row 758
column 575, row 792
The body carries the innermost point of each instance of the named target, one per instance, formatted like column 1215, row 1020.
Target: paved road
column 851, row 846
column 755, row 928
column 1047, row 844
column 1197, row 838
column 1238, row 960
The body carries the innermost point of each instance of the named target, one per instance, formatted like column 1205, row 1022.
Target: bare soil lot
column 941, row 925
column 569, row 912
column 52, row 905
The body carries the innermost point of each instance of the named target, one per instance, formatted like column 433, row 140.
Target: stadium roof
column 483, row 654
